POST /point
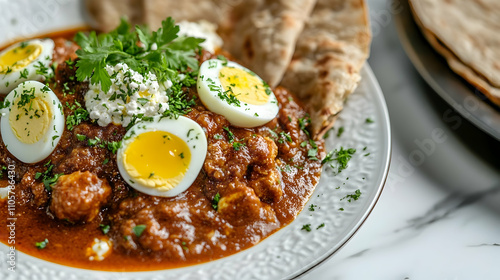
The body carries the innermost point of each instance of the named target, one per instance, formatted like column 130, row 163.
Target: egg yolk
column 157, row 159
column 30, row 120
column 246, row 87
column 19, row 57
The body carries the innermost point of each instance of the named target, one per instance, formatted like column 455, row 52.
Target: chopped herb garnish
column 354, row 196
column 312, row 206
column 230, row 135
column 341, row 130
column 342, row 157
column 78, row 116
column 223, row 59
column 142, row 101
column 237, row 145
column 24, row 73
column 320, row 226
column 112, row 146
column 215, row 201
column 105, row 228
column 42, row 244
column 313, row 152
column 286, row 136
column 306, row 227
column 303, row 122
column 47, row 179
column 369, row 120
column 138, row 230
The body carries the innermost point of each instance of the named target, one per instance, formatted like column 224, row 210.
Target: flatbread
column 325, row 67
column 107, row 13
column 466, row 34
column 262, row 34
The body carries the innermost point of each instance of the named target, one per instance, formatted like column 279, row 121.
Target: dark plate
column 463, row 97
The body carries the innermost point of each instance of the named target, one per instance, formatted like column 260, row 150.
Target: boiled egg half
column 28, row 60
column 32, row 123
column 231, row 90
column 162, row 157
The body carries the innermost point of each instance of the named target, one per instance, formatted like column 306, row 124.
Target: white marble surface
column 439, row 216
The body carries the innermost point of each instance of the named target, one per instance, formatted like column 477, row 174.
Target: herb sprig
column 161, row 52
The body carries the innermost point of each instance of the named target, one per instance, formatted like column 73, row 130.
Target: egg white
column 38, row 151
column 181, row 127
column 9, row 81
column 246, row 115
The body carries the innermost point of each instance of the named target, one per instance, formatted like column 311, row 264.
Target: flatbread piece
column 262, row 34
column 329, row 55
column 466, row 34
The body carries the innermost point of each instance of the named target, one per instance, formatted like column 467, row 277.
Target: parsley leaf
column 47, row 179
column 161, row 52
column 42, row 244
column 105, row 228
column 215, row 202
column 354, row 196
column 306, row 227
column 138, row 230
column 341, row 156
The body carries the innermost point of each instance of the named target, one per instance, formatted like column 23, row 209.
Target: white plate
column 291, row 251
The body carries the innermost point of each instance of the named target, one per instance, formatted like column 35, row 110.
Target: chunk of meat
column 167, row 227
column 32, row 191
column 265, row 179
column 78, row 197
column 240, row 206
column 266, row 183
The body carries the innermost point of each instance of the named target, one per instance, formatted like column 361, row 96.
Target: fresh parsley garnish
column 354, row 196
column 341, row 156
column 42, row 244
column 79, row 115
column 237, row 145
column 138, row 230
column 161, row 52
column 112, row 146
column 215, row 202
column 306, row 227
column 303, row 122
column 47, row 179
column 341, row 130
column 105, row 228
column 313, row 152
column 230, row 135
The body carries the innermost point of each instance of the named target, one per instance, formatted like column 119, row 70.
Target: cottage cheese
column 131, row 94
column 99, row 249
column 202, row 29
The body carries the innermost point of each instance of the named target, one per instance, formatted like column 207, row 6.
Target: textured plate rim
column 381, row 184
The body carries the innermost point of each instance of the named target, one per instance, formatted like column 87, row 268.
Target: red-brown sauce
column 262, row 187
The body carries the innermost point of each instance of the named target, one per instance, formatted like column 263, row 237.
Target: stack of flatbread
column 315, row 48
column 467, row 34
